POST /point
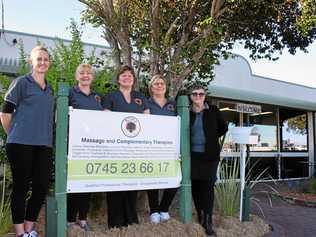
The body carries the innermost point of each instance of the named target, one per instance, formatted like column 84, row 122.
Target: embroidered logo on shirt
column 170, row 107
column 130, row 126
column 97, row 98
column 138, row 101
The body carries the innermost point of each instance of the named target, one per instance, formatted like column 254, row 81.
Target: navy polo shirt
column 168, row 109
column 79, row 100
column 32, row 120
column 116, row 102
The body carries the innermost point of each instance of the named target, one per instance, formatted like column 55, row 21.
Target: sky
column 51, row 18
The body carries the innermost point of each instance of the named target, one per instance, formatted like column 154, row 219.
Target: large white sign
column 112, row 151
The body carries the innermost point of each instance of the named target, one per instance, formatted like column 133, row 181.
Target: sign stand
column 244, row 136
column 56, row 205
column 185, row 190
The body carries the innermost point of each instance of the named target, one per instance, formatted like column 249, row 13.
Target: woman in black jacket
column 207, row 126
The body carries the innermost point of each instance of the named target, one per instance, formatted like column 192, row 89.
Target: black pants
column 166, row 200
column 203, row 195
column 78, row 203
column 203, row 178
column 121, row 208
column 30, row 166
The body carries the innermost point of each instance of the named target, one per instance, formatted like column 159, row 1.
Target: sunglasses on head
column 198, row 94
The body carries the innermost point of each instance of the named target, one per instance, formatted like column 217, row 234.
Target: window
column 293, row 130
column 266, row 124
column 231, row 116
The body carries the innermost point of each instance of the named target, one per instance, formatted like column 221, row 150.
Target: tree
column 65, row 59
column 183, row 39
column 307, row 20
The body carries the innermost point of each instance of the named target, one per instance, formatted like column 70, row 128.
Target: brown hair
column 125, row 68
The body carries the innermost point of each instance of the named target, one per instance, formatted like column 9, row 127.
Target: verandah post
column 185, row 190
column 56, row 205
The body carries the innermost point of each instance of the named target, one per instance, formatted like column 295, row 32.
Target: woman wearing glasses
column 207, row 126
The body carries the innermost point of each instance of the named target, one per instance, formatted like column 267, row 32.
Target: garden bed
column 224, row 227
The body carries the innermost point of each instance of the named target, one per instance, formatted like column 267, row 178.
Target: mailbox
column 245, row 135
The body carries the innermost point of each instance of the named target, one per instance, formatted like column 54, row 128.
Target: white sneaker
column 155, row 218
column 24, row 235
column 33, row 233
column 164, row 216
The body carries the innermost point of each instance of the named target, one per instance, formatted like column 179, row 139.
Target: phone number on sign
column 96, row 168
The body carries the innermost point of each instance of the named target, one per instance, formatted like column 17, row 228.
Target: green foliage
column 5, row 211
column 183, row 39
column 307, row 21
column 312, row 188
column 227, row 192
column 23, row 60
column 4, row 82
column 65, row 58
column 103, row 81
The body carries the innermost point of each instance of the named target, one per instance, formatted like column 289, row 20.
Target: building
column 284, row 114
column 9, row 50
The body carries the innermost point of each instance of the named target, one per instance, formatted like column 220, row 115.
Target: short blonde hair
column 83, row 66
column 38, row 48
column 152, row 81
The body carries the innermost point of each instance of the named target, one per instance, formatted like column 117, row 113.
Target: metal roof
column 9, row 65
column 234, row 80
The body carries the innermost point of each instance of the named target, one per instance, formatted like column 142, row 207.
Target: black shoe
column 208, row 225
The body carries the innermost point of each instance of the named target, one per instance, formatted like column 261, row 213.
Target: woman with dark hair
column 122, row 204
column 207, row 126
column 27, row 118
column 81, row 96
column 160, row 105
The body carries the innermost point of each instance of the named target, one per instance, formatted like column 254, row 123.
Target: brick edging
column 296, row 201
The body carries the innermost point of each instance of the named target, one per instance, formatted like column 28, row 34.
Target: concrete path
column 287, row 220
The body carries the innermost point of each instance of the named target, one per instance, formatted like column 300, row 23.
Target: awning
column 234, row 80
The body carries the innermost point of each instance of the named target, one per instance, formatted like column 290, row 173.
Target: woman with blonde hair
column 29, row 140
column 160, row 105
column 82, row 96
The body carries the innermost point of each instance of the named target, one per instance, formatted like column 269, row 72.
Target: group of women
column 27, row 118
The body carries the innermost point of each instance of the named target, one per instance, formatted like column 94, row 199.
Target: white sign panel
column 112, row 151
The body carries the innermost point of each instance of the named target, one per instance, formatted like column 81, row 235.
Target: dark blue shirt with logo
column 79, row 100
column 116, row 102
column 168, row 109
column 32, row 120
